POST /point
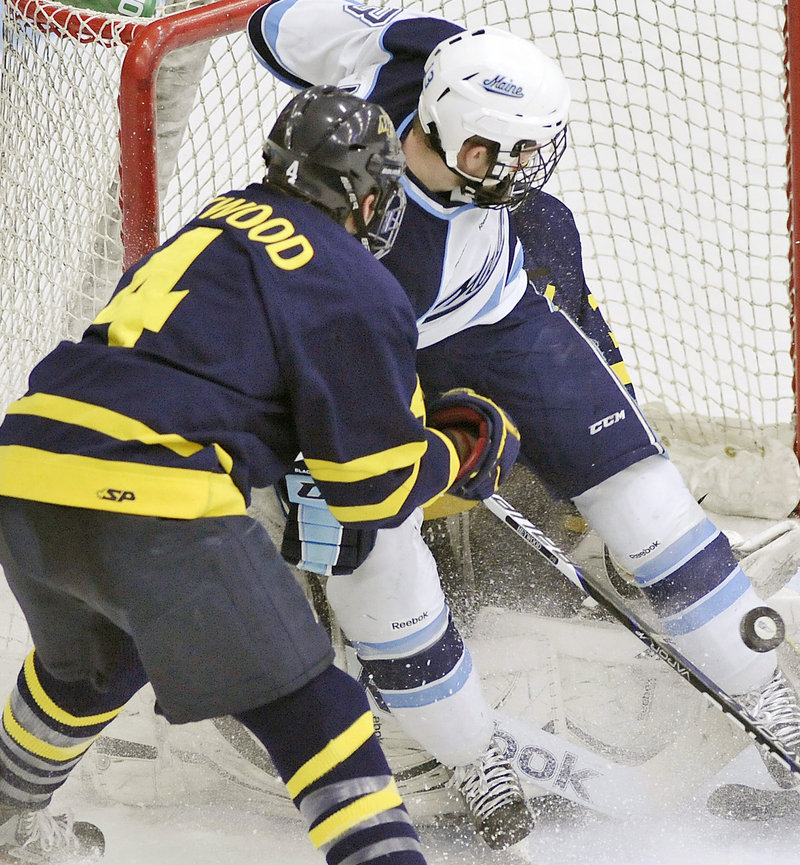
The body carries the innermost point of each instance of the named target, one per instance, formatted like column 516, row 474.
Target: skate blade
column 739, row 802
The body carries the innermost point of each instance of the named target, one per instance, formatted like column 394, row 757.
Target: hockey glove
column 485, row 431
column 314, row 540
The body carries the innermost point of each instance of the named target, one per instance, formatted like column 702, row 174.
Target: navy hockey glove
column 314, row 540
column 482, row 428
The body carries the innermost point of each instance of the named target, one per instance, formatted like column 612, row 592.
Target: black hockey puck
column 762, row 629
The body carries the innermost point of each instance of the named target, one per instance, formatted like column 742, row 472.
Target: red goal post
column 792, row 97
column 137, row 105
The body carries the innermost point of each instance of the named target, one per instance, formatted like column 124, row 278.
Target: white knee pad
column 393, row 607
column 395, row 593
column 654, row 529
column 640, row 511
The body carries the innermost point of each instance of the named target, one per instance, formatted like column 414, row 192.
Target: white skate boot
column 777, row 707
column 494, row 798
column 39, row 837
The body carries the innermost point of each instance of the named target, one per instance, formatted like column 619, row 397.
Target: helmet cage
column 507, row 182
column 385, row 223
column 380, row 233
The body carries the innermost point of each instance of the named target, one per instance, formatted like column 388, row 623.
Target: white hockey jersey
column 379, row 53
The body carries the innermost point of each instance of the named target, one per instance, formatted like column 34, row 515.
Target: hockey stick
column 657, row 643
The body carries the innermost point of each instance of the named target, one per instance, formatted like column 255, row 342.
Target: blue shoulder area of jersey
column 399, row 82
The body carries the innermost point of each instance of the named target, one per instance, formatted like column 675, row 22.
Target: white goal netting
column 677, row 174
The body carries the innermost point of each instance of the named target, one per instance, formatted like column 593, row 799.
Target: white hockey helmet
column 500, row 87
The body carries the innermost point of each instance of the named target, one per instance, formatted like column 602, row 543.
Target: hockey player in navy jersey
column 492, row 266
column 263, row 328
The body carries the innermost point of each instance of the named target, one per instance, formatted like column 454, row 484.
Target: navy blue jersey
column 260, row 330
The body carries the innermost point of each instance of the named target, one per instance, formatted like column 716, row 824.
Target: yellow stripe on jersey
column 336, row 751
column 392, row 503
column 36, row 746
column 388, row 507
column 621, row 372
column 120, row 487
column 356, row 812
column 418, row 402
column 377, row 464
column 369, row 466
column 56, row 712
column 374, row 465
column 592, row 301
column 108, row 422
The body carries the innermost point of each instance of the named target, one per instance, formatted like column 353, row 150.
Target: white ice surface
column 228, row 835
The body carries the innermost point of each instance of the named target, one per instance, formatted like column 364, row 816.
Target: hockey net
column 114, row 130
column 677, row 174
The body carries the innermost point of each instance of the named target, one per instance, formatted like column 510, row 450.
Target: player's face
column 475, row 160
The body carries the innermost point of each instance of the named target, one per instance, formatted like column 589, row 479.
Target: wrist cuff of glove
column 469, row 432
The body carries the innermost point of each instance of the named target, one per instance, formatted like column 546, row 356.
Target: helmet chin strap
column 355, row 209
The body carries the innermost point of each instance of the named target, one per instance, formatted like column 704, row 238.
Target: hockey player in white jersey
column 483, row 119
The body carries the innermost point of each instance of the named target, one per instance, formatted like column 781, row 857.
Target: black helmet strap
column 355, row 209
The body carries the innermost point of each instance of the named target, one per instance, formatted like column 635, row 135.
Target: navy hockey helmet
column 332, row 149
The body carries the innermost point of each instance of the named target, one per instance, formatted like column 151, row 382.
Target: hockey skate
column 39, row 837
column 494, row 798
column 776, row 706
